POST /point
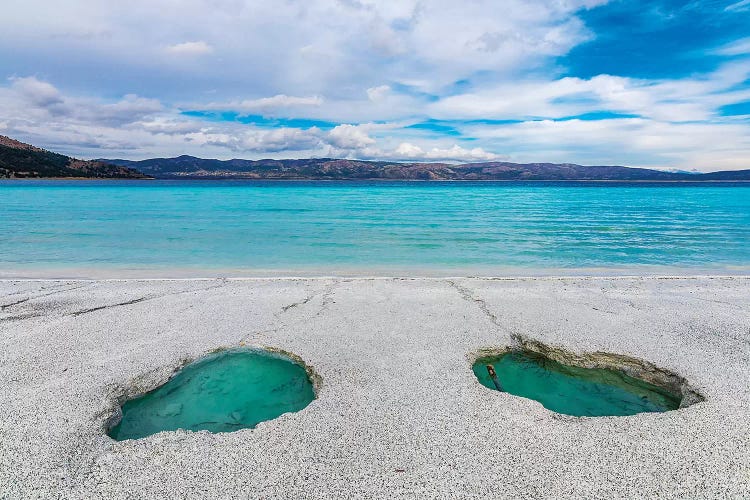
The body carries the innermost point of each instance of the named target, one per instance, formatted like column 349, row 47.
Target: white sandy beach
column 399, row 412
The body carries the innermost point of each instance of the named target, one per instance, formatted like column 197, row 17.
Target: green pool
column 224, row 392
column 574, row 390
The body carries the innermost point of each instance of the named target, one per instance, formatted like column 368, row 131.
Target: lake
column 256, row 228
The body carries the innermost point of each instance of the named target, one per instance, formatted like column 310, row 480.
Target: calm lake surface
column 207, row 228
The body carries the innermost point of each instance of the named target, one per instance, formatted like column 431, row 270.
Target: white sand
column 397, row 394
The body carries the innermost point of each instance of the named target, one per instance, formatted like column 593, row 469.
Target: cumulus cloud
column 263, row 141
column 171, row 126
column 410, row 151
column 349, row 137
column 378, row 93
column 36, row 91
column 32, row 98
column 190, row 48
column 33, row 108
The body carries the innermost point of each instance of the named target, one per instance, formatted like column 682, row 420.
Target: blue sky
column 662, row 84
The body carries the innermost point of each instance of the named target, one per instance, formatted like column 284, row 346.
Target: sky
column 662, row 84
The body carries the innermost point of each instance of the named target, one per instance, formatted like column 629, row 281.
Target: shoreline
column 186, row 274
column 561, row 277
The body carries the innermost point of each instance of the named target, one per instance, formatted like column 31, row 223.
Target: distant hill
column 19, row 160
column 337, row 169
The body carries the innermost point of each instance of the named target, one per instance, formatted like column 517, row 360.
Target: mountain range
column 20, row 160
column 340, row 169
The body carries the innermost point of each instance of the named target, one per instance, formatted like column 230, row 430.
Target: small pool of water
column 589, row 392
column 223, row 392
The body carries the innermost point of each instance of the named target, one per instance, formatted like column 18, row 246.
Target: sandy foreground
column 399, row 412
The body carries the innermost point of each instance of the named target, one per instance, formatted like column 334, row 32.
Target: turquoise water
column 223, row 392
column 582, row 392
column 252, row 228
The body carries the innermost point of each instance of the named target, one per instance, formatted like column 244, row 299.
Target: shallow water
column 223, row 392
column 581, row 392
column 188, row 228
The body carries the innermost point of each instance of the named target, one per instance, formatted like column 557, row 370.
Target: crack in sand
column 603, row 310
column 145, row 298
column 718, row 302
column 325, row 294
column 468, row 295
column 300, row 303
column 21, row 317
column 54, row 292
column 108, row 306
column 40, row 289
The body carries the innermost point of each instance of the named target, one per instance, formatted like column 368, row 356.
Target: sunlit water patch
column 223, row 392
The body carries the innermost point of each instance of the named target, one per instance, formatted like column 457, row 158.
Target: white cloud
column 378, row 93
column 410, row 151
column 171, row 126
column 137, row 127
column 736, row 48
column 262, row 141
column 283, row 101
column 30, row 98
column 303, row 48
column 190, row 48
column 349, row 137
column 738, row 6
column 264, row 104
column 630, row 141
column 666, row 100
column 37, row 110
column 38, row 92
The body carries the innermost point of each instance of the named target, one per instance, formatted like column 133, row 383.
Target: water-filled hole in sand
column 223, row 392
column 584, row 390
